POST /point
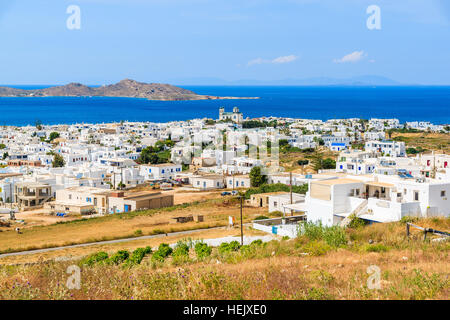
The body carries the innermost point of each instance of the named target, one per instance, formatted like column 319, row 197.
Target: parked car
column 234, row 193
column 225, row 193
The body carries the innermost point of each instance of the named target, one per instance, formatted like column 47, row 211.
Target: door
column 127, row 208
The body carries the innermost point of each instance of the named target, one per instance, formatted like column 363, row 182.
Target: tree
column 283, row 143
column 148, row 155
column 2, row 146
column 256, row 178
column 328, row 163
column 319, row 162
column 5, row 155
column 390, row 132
column 53, row 136
column 58, row 161
column 319, row 141
column 316, row 160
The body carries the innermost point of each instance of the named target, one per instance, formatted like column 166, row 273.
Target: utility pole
column 242, row 230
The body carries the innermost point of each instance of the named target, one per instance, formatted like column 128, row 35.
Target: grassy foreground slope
column 321, row 264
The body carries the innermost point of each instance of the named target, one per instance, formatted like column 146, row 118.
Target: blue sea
column 405, row 103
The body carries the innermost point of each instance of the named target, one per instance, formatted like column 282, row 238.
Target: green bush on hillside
column 119, row 257
column 229, row 247
column 181, row 249
column 334, row 236
column 164, row 250
column 137, row 255
column 202, row 250
column 94, row 258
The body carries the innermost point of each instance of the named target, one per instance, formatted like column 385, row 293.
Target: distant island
column 125, row 88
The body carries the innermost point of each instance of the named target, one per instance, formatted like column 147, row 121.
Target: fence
column 425, row 230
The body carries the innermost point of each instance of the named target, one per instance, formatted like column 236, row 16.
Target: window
column 416, row 195
column 70, row 197
column 275, row 203
column 443, row 193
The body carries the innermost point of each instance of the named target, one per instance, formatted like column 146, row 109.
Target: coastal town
column 340, row 168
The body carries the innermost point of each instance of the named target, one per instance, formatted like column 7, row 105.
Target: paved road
column 21, row 253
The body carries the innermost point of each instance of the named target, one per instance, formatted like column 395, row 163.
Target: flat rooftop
column 332, row 182
column 161, row 165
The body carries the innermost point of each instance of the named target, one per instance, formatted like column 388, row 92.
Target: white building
column 378, row 199
column 160, row 171
column 207, row 182
column 235, row 116
column 237, row 181
column 387, row 148
column 278, row 202
column 356, row 162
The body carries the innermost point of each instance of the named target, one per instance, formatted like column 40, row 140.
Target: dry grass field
column 304, row 268
column 429, row 141
column 215, row 212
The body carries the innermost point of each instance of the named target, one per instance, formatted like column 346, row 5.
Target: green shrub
column 202, row 250
column 94, row 258
column 164, row 250
column 356, row 222
column 261, row 218
column 138, row 233
column 234, row 245
column 409, row 219
column 317, row 248
column 136, row 256
column 276, row 213
column 147, row 250
column 119, row 257
column 318, row 294
column 334, row 236
column 181, row 249
column 257, row 242
column 229, row 247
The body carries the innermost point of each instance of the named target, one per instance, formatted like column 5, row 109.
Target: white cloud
column 285, row 59
column 279, row 60
column 352, row 57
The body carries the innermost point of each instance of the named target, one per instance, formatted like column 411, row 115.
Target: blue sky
column 165, row 40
